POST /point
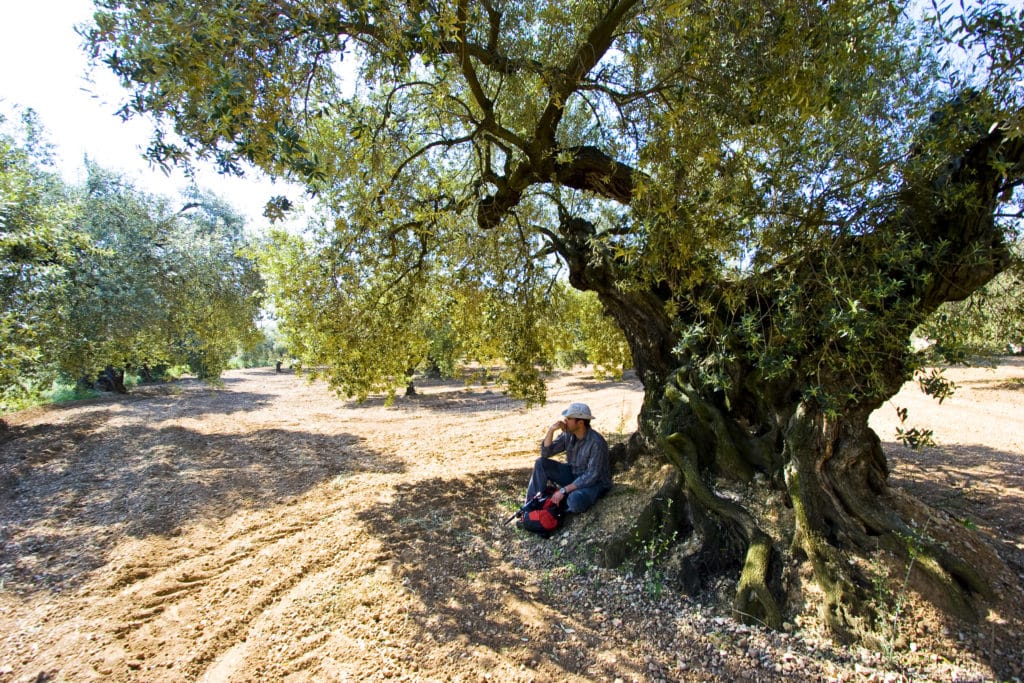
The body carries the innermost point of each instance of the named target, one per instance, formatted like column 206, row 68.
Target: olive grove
column 768, row 198
column 354, row 325
column 103, row 277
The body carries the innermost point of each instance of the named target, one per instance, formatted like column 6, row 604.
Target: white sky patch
column 43, row 66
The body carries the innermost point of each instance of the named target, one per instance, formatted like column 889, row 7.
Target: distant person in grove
column 586, row 475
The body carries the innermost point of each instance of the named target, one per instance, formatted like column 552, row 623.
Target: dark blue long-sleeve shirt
column 588, row 458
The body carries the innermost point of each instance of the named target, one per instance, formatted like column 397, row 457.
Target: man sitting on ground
column 586, row 475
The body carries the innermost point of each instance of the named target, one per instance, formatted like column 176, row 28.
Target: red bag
column 543, row 517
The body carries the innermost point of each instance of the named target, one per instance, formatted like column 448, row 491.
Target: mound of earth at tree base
column 266, row 530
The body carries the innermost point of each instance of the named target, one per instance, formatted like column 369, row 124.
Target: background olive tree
column 367, row 327
column 38, row 242
column 104, row 277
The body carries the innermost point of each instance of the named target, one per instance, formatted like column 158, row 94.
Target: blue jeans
column 545, row 469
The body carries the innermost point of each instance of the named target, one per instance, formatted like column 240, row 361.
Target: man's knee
column 582, row 500
column 540, row 469
column 579, row 501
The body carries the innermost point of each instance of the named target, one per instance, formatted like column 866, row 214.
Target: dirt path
column 266, row 531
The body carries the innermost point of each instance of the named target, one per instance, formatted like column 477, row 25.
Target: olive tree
column 767, row 197
column 104, row 275
column 164, row 283
column 39, row 242
column 367, row 326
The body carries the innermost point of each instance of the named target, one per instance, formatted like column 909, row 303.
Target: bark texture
column 781, row 468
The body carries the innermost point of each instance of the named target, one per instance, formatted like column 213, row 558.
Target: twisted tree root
column 754, row 601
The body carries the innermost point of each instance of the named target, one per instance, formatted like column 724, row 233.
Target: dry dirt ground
column 265, row 530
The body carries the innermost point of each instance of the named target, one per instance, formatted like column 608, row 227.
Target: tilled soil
column 265, row 530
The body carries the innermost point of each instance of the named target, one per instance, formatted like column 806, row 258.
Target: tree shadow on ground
column 1015, row 384
column 983, row 489
column 535, row 601
column 629, row 381
column 158, row 402
column 456, row 396
column 979, row 486
column 68, row 495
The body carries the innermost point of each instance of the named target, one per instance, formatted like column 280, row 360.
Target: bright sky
column 43, row 67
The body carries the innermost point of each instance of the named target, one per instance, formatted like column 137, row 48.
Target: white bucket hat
column 581, row 411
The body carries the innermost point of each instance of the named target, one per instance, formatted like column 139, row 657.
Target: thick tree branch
column 491, row 58
column 588, row 53
column 593, row 170
column 584, row 168
column 468, row 72
column 957, row 207
column 493, row 23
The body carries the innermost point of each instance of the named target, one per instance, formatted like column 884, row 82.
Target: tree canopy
column 164, row 284
column 696, row 143
column 107, row 275
column 768, row 198
column 367, row 326
column 37, row 245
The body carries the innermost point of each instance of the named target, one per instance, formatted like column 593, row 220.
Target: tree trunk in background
column 111, row 379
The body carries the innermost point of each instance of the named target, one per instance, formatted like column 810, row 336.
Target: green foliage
column 342, row 318
column 269, row 350
column 63, row 391
column 653, row 552
column 105, row 275
column 933, row 383
column 986, row 41
column 366, row 326
column 888, row 603
column 722, row 177
column 989, row 321
column 162, row 286
column 39, row 243
column 579, row 331
column 912, row 437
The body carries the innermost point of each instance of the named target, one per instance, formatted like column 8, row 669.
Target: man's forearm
column 549, row 438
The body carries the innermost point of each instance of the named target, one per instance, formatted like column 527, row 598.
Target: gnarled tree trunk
column 779, row 463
